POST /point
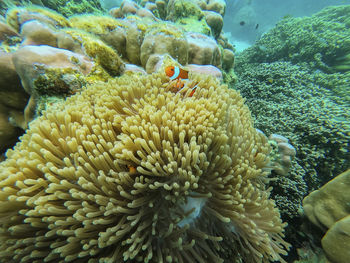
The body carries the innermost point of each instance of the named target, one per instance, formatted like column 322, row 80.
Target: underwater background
column 174, row 131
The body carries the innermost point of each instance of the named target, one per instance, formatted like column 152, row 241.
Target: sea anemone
column 130, row 171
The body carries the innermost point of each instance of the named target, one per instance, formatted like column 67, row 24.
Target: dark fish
column 257, row 25
column 242, row 23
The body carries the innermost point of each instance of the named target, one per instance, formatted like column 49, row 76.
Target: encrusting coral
column 130, row 171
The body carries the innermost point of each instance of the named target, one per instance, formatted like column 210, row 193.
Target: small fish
column 181, row 75
column 191, row 92
column 257, row 26
column 270, row 80
column 242, row 23
column 175, row 72
column 132, row 169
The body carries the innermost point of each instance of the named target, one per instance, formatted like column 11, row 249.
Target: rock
column 228, row 59
column 31, row 61
column 330, row 203
column 6, row 31
column 8, row 132
column 143, row 12
column 129, row 7
column 203, row 50
column 134, row 69
column 336, row 242
column 215, row 22
column 155, row 62
column 12, row 94
column 46, row 70
column 329, row 209
column 134, row 40
column 116, row 12
column 218, row 6
column 178, row 9
column 36, row 33
column 164, row 39
column 117, row 40
column 16, row 17
column 278, row 138
column 66, row 41
column 13, row 100
column 205, row 69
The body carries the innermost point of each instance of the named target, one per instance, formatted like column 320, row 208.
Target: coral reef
column 64, row 7
column 322, row 41
column 196, row 16
column 138, row 39
column 45, row 70
column 159, row 41
column 329, row 209
column 285, row 99
column 296, row 81
column 130, row 171
column 209, row 51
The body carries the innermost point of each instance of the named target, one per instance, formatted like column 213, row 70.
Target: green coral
column 342, row 64
column 320, row 40
column 337, row 83
column 295, row 101
column 286, row 99
column 229, row 77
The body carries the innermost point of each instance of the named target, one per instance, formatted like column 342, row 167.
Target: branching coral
column 130, row 171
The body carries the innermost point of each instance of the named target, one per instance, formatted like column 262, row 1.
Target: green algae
column 102, row 54
column 191, row 24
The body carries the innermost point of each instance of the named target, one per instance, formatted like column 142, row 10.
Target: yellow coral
column 96, row 24
column 102, row 54
column 131, row 172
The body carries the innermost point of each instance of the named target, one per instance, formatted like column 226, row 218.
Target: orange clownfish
column 176, row 73
column 181, row 75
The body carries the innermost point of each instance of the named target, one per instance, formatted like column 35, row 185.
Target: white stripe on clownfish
column 176, row 73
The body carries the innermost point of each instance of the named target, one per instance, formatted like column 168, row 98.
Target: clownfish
column 176, row 73
column 181, row 75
